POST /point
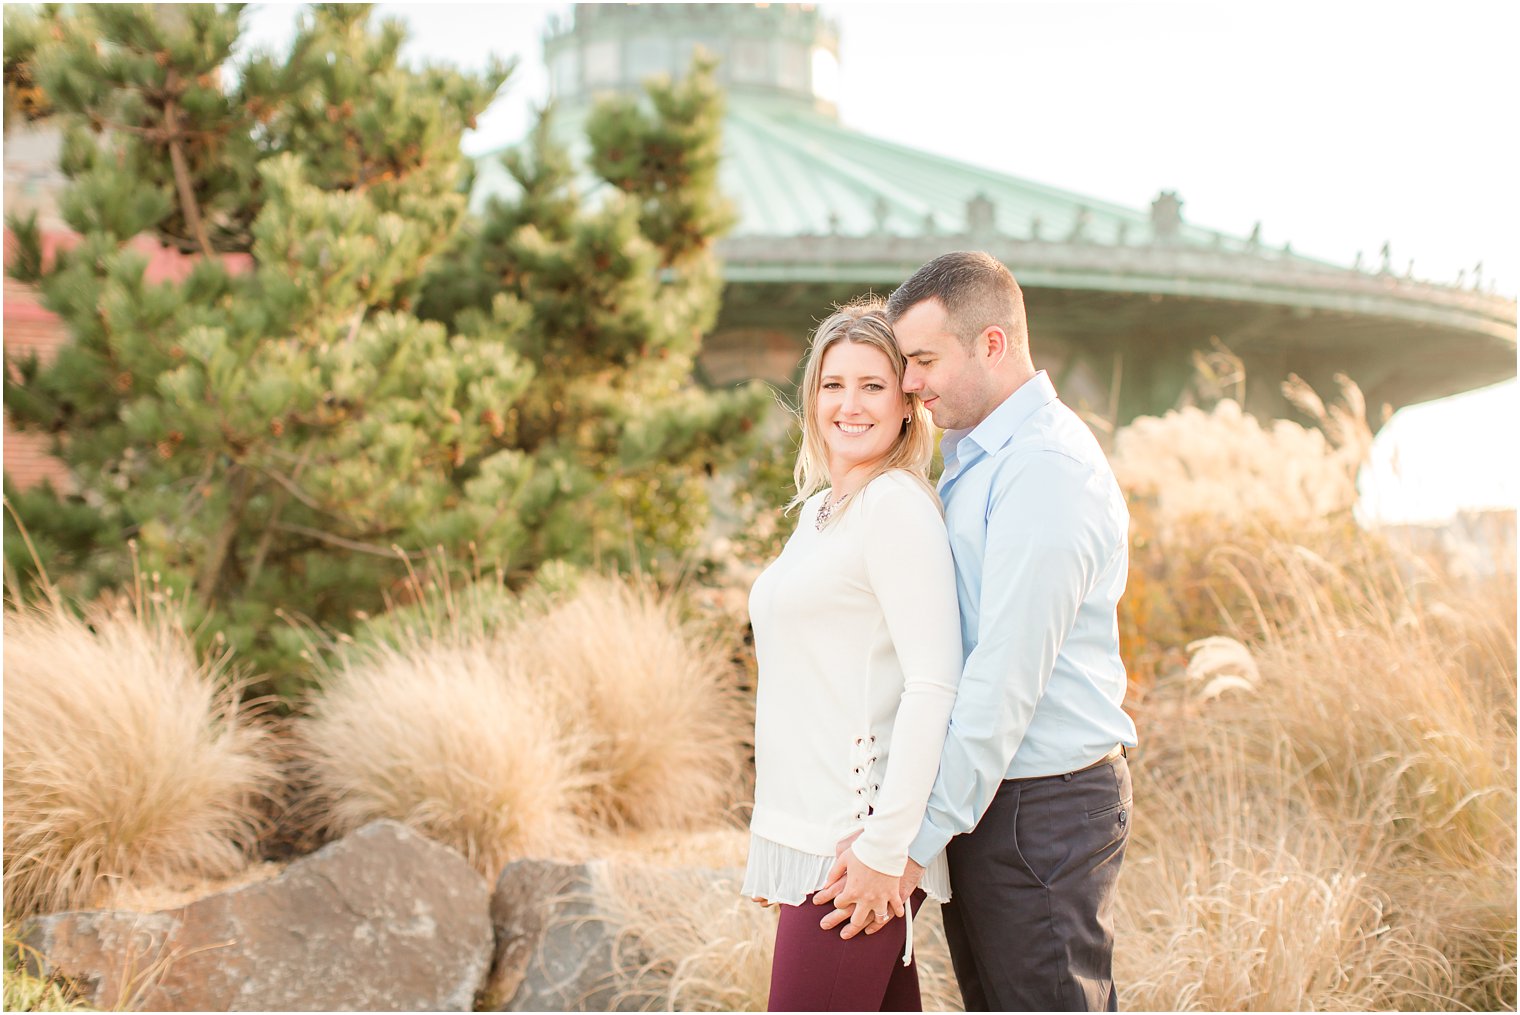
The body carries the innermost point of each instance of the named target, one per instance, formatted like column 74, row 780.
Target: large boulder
column 554, row 945
column 381, row 920
column 562, row 942
column 615, row 936
column 618, row 936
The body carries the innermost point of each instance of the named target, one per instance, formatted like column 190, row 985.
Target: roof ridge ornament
column 1166, row 217
column 1079, row 223
column 981, row 215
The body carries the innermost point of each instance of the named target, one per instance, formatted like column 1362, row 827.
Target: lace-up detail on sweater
column 863, row 781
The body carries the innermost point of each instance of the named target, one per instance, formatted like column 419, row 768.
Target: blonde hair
column 863, row 322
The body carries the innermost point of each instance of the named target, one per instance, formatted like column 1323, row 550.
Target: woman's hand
column 866, row 897
column 835, row 884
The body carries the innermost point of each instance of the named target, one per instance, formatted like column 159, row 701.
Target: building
column 1121, row 297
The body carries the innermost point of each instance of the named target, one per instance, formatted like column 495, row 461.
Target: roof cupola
column 785, row 52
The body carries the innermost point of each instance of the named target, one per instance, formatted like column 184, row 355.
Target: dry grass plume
column 126, row 758
column 596, row 712
column 656, row 698
column 453, row 740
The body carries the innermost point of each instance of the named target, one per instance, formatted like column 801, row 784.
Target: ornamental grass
column 655, row 696
column 452, row 740
column 1325, row 792
column 1337, row 828
column 596, row 712
column 24, row 991
column 127, row 758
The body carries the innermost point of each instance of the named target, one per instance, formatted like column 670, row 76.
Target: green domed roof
column 826, row 211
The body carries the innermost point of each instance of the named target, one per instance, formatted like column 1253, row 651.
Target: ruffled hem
column 782, row 874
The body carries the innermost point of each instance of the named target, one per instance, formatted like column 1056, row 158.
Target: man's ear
column 995, row 340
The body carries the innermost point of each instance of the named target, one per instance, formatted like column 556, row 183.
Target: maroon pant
column 817, row 971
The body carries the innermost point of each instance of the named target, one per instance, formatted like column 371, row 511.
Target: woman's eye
column 831, row 385
column 875, row 387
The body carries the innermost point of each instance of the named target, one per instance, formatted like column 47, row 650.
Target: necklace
column 826, row 510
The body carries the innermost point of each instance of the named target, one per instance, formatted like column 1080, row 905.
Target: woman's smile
column 859, row 391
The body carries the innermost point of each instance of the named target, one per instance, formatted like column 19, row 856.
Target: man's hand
column 868, row 898
column 912, row 875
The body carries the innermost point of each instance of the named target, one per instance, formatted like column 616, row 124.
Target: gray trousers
column 1031, row 924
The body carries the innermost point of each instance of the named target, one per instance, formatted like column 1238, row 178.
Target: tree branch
column 221, row 545
column 393, row 552
column 181, row 166
column 288, row 489
column 293, row 488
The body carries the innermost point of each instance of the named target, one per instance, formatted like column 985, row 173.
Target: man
column 1033, row 792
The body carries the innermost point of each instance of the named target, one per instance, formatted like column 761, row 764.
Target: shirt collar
column 1004, row 421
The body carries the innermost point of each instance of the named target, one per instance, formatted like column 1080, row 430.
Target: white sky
column 1337, row 125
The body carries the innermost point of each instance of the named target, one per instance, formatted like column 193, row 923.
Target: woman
column 857, row 634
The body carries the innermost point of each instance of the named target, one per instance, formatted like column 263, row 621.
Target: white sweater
column 857, row 635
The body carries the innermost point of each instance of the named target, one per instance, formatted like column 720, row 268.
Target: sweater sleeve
column 912, row 575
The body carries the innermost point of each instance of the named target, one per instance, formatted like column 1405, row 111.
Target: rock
column 562, row 938
column 381, row 920
column 554, row 950
column 621, row 936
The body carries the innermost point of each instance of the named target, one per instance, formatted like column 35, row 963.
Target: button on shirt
column 1039, row 534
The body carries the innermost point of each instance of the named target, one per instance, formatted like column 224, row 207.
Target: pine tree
column 25, row 31
column 607, row 300
column 295, row 423
column 277, row 430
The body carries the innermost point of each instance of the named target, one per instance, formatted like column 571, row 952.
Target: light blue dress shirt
column 1040, row 536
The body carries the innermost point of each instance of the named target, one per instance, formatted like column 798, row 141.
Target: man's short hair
column 977, row 292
